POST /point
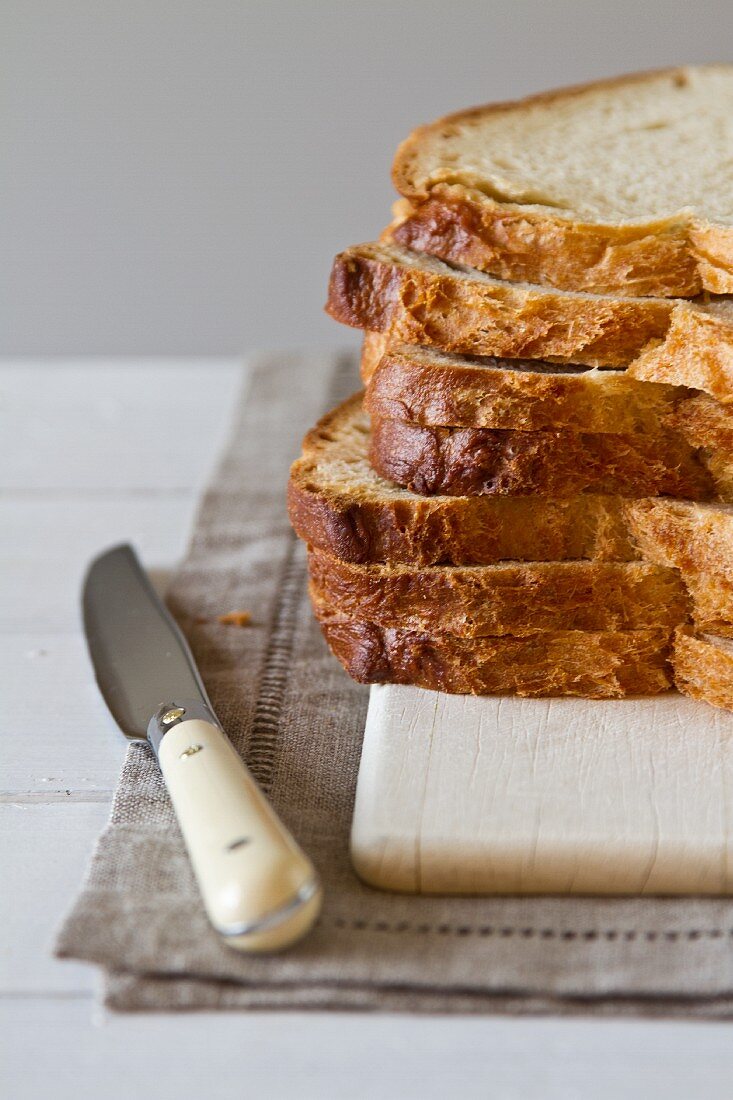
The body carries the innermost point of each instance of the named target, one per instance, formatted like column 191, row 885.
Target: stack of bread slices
column 529, row 496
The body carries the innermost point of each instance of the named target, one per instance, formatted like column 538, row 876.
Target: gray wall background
column 175, row 177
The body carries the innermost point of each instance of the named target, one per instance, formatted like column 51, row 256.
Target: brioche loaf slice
column 420, row 300
column 622, row 185
column 703, row 667
column 436, row 389
column 514, row 598
column 487, row 461
column 338, row 504
column 595, row 665
column 430, row 387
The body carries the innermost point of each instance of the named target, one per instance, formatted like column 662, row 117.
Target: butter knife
column 260, row 891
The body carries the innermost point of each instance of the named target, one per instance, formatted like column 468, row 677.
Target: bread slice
column 486, row 461
column 420, row 300
column 703, row 667
column 434, row 388
column 599, row 665
column 338, row 504
column 430, row 387
column 697, row 539
column 514, row 598
column 622, row 185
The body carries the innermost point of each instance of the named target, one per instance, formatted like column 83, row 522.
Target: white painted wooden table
column 82, row 465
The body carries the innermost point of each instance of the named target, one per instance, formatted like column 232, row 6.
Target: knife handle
column 260, row 890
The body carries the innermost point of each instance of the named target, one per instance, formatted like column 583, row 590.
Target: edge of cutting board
column 501, row 795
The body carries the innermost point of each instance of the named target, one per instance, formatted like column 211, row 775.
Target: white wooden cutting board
column 505, row 795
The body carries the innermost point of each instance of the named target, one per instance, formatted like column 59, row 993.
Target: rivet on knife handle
column 260, row 890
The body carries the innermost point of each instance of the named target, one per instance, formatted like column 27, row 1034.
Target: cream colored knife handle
column 259, row 889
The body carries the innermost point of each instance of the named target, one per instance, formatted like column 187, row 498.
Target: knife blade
column 260, row 891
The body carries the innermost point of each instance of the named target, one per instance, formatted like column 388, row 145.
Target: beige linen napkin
column 298, row 721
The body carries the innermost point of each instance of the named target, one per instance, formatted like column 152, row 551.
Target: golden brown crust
column 704, row 422
column 373, row 347
column 368, row 520
column 708, row 425
column 703, row 668
column 433, row 389
column 379, row 288
column 674, row 258
column 516, row 598
column 697, row 540
column 511, row 242
column 467, row 461
column 697, row 351
column 697, row 354
column 712, row 602
column 712, row 247
column 682, row 534
column 580, row 663
column 459, row 530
